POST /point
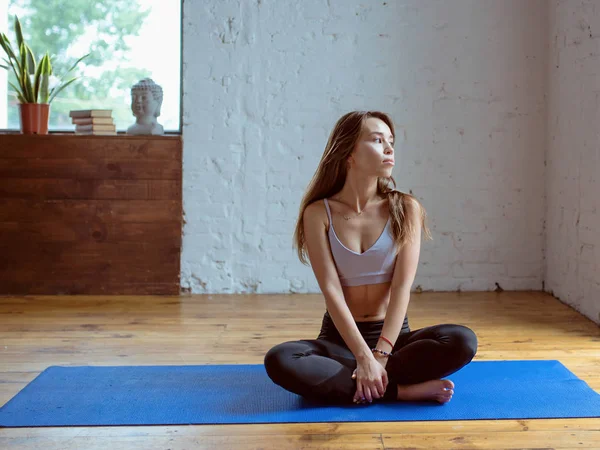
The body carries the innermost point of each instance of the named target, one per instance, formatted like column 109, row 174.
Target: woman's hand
column 383, row 360
column 371, row 380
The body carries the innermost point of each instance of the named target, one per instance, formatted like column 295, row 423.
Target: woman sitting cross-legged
column 362, row 238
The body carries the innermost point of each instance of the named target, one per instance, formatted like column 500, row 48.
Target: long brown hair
column 331, row 173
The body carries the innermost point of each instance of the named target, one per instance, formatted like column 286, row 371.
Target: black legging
column 321, row 369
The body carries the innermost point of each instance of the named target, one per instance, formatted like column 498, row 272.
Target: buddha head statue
column 146, row 99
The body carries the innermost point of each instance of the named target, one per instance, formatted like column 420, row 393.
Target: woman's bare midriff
column 369, row 302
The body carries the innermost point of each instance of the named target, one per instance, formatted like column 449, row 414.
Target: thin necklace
column 352, row 217
column 348, row 217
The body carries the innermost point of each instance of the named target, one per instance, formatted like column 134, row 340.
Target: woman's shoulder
column 315, row 212
column 316, row 205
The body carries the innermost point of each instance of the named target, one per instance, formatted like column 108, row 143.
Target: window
column 128, row 40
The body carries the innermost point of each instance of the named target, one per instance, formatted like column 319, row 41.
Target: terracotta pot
column 34, row 118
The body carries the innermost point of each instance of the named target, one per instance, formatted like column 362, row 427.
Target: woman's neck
column 357, row 193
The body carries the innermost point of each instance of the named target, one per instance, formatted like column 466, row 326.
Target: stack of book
column 93, row 121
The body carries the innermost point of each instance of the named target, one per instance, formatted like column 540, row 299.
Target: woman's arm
column 404, row 274
column 319, row 253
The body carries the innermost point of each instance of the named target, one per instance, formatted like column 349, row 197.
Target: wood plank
column 128, row 278
column 22, row 210
column 56, row 230
column 506, row 440
column 86, row 255
column 275, row 442
column 92, row 148
column 266, row 430
column 79, row 168
column 93, row 287
column 91, row 266
column 112, row 189
column 82, row 279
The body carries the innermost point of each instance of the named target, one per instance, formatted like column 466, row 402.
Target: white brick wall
column 573, row 161
column 265, row 81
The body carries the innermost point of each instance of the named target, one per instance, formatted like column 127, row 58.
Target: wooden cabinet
column 90, row 214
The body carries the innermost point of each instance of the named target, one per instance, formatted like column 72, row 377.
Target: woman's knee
column 279, row 357
column 465, row 341
column 274, row 358
column 461, row 339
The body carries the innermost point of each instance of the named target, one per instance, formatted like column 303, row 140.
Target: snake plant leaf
column 10, row 63
column 18, row 32
column 56, row 90
column 23, row 72
column 44, row 81
column 18, row 92
column 77, row 62
column 37, row 78
column 25, row 80
column 5, row 43
column 49, row 68
column 30, row 60
column 23, row 59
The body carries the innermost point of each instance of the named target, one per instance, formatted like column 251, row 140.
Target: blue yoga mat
column 228, row 394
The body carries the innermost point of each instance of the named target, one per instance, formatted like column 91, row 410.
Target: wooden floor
column 36, row 332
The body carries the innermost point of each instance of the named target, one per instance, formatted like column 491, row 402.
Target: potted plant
column 33, row 78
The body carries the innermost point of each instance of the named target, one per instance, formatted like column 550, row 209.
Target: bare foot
column 438, row 390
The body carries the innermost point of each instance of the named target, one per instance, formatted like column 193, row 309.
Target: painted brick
column 266, row 81
column 572, row 263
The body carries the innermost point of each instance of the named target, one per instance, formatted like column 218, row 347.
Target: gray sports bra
column 375, row 265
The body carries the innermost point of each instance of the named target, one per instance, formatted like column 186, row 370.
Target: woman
column 365, row 350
